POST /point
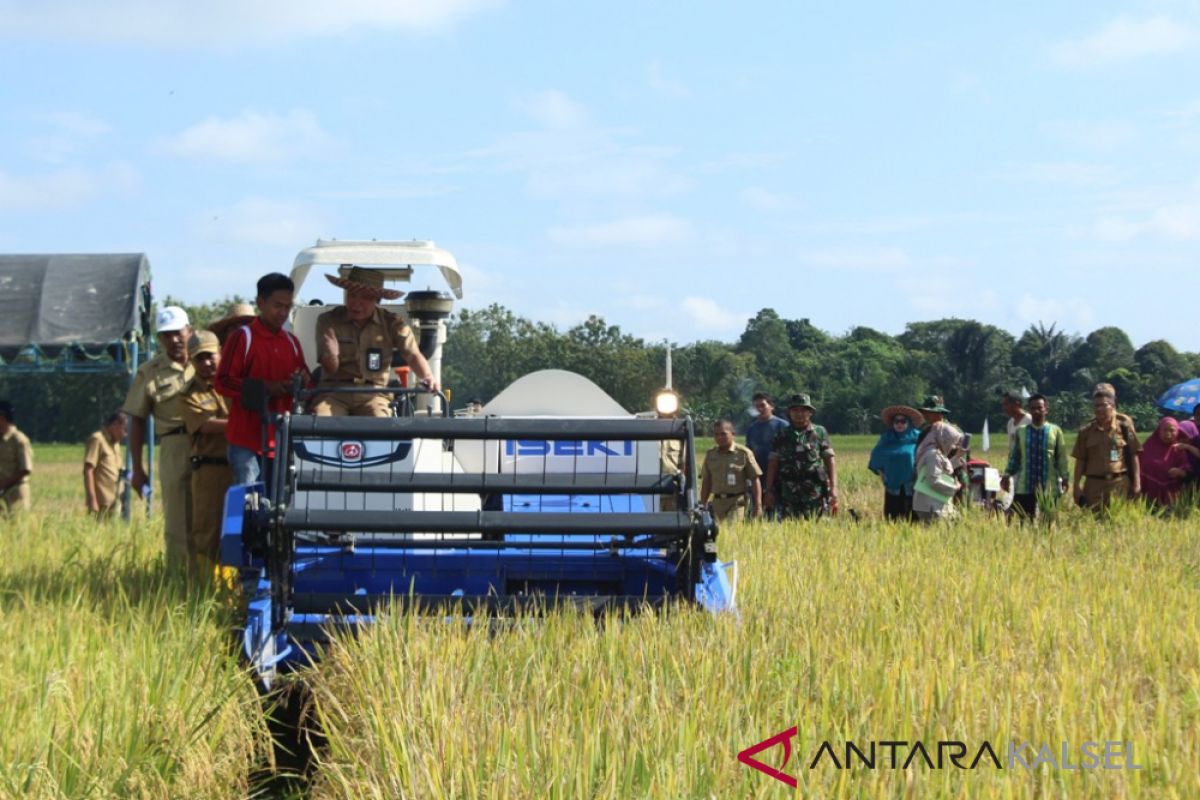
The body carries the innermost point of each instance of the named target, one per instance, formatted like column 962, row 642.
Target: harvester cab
column 551, row 494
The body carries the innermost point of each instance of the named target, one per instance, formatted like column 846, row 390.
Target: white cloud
column 967, row 84
column 1174, row 222
column 761, row 199
column 1062, row 173
column 705, row 315
column 64, row 135
column 388, row 193
column 553, row 109
column 173, row 23
column 645, row 231
column 260, row 221
column 643, row 302
column 664, row 84
column 481, row 284
column 886, row 225
column 941, row 294
column 65, row 188
column 251, row 137
column 1125, row 39
column 857, row 258
column 630, row 172
column 1072, row 314
column 1185, row 115
column 568, row 156
column 1094, row 135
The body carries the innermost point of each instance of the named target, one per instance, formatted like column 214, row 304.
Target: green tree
column 204, row 314
column 967, row 362
column 1161, row 366
column 1045, row 354
column 1104, row 351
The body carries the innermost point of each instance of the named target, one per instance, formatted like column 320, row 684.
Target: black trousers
column 897, row 506
column 1025, row 506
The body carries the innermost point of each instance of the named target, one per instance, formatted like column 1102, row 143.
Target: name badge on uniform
column 731, row 478
column 374, row 359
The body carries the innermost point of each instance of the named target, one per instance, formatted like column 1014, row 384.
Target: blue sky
column 672, row 167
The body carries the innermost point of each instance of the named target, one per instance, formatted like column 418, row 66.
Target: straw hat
column 915, row 417
column 365, row 281
column 238, row 314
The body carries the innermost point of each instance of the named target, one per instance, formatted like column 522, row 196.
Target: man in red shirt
column 261, row 350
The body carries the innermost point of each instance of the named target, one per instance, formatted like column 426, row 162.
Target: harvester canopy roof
column 394, row 259
column 88, row 299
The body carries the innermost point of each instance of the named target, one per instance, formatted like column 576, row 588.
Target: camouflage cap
column 934, row 403
column 800, row 400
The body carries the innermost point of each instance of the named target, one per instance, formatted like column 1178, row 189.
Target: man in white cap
column 355, row 343
column 158, row 389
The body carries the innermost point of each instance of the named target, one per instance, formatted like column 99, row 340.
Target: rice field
column 118, row 683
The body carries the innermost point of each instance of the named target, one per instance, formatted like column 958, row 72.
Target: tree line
column 850, row 377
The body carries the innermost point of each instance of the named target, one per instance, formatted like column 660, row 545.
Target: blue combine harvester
column 590, row 540
column 513, row 509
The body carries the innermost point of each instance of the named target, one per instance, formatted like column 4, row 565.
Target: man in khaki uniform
column 729, row 468
column 205, row 416
column 355, row 343
column 16, row 463
column 1106, row 453
column 157, row 389
column 102, row 465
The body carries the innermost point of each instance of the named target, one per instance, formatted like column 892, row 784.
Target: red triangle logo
column 747, row 756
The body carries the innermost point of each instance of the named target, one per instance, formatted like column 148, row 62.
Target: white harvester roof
column 394, row 259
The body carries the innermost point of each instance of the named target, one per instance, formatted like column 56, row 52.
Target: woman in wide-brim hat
column 894, row 457
column 360, row 280
column 239, row 314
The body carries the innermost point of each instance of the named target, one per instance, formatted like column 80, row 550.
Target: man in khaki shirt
column 157, row 389
column 355, row 344
column 102, row 465
column 16, row 463
column 1106, row 453
column 728, row 469
column 205, row 416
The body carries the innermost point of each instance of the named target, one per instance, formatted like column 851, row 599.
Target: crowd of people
column 195, row 391
column 923, row 462
column 925, row 474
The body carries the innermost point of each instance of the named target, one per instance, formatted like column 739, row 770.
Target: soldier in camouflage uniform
column 803, row 459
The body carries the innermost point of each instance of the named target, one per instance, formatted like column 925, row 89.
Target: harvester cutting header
column 515, row 507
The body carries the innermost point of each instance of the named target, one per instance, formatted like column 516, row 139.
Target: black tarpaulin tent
column 85, row 302
column 72, row 313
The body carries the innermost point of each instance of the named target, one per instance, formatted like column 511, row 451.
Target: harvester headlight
column 666, row 403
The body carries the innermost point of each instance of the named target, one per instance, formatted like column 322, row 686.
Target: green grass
column 117, row 683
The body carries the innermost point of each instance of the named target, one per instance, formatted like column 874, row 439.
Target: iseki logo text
column 776, row 756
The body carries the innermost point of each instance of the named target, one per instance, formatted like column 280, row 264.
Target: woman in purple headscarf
column 1189, row 442
column 1163, row 464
